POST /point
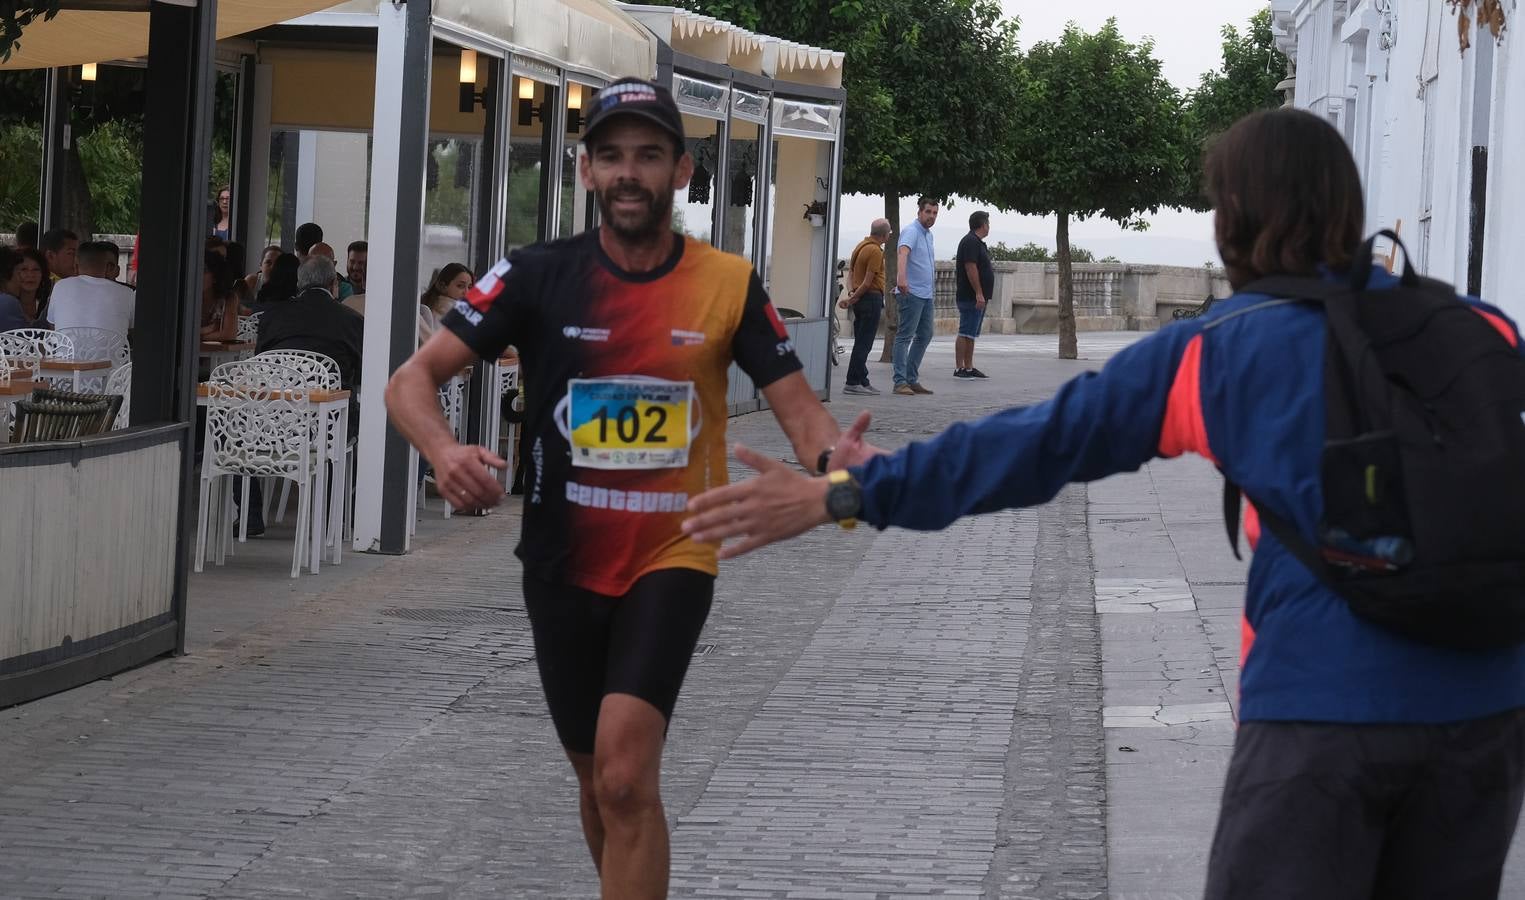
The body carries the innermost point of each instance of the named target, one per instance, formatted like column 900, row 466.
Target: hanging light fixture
column 574, row 107
column 528, row 111
column 470, row 96
column 87, row 72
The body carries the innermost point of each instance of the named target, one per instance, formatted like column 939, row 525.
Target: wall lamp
column 574, row 108
column 470, row 96
column 528, row 111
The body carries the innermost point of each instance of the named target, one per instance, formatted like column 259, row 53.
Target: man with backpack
column 1374, row 424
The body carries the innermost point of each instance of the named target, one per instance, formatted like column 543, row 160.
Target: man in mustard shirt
column 866, row 302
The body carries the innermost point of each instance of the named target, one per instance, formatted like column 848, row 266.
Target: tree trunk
column 891, row 308
column 1067, row 348
column 78, row 213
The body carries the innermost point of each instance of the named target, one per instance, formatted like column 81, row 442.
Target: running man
column 625, row 332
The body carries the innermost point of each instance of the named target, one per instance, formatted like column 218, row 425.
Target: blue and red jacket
column 1242, row 386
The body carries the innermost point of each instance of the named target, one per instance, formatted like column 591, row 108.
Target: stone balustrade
column 1108, row 296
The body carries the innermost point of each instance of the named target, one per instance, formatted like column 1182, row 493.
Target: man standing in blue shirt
column 913, row 298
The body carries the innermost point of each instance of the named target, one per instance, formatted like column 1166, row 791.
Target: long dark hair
column 440, row 282
column 1286, row 196
column 282, row 282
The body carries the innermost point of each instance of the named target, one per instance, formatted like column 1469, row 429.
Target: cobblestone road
column 1033, row 704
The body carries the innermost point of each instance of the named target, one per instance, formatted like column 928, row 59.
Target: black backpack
column 1423, row 466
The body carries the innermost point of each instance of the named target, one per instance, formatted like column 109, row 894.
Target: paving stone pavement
column 1030, row 704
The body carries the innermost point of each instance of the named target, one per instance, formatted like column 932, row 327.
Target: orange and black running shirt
column 626, row 396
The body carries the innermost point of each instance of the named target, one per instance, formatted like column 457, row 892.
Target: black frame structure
column 177, row 162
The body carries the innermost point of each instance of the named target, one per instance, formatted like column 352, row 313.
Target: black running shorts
column 588, row 644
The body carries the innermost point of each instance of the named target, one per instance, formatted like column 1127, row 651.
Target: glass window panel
column 529, row 147
column 741, row 163
column 800, row 119
column 698, row 96
column 451, row 181
column 317, row 176
column 749, row 106
column 694, row 206
column 578, row 209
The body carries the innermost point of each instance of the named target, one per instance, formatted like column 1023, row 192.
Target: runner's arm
column 811, row 429
column 412, row 398
column 1099, row 424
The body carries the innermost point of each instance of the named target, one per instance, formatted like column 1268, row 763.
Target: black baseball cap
column 637, row 97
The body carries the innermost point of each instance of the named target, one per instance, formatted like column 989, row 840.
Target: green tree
column 1102, row 131
column 1245, row 80
column 1030, row 252
column 929, row 91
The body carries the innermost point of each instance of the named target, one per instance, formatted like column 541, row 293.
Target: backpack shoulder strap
column 1285, row 532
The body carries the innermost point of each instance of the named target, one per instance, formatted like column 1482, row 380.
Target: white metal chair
column 100, row 343
column 259, row 425
column 248, row 327
column 319, row 372
column 22, row 351
column 49, row 343
column 33, row 345
column 120, row 382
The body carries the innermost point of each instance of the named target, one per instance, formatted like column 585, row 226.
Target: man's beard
column 637, row 228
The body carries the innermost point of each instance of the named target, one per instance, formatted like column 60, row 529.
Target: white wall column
column 401, row 130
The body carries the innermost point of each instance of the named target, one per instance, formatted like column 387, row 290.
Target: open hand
column 778, row 504
column 851, row 449
column 460, row 474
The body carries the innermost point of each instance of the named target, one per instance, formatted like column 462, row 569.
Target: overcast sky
column 1187, row 43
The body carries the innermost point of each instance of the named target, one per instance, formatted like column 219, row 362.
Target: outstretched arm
column 1097, row 425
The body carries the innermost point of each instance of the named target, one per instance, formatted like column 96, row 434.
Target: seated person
column 346, row 290
column 11, row 315
column 315, row 320
column 219, row 305
column 280, row 282
column 92, row 299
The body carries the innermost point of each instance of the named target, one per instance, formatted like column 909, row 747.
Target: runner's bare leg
column 592, row 825
column 627, row 759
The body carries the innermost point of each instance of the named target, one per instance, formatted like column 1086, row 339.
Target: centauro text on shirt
column 626, row 387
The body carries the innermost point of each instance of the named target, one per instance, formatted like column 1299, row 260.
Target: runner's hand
column 460, row 474
column 851, row 449
column 778, row 504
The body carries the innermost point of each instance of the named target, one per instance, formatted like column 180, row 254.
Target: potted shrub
column 815, row 213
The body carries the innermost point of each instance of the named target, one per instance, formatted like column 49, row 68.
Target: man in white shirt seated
column 91, row 299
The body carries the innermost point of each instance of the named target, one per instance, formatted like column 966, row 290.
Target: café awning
column 77, row 36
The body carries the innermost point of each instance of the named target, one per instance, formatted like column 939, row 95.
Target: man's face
column 927, row 215
column 633, row 172
column 354, row 266
column 983, row 231
column 64, row 262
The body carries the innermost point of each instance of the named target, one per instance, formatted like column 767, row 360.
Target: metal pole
column 56, row 136
column 177, row 127
column 483, row 390
column 399, row 147
column 1477, row 207
column 243, row 158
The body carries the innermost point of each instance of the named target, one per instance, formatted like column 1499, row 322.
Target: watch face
column 843, row 501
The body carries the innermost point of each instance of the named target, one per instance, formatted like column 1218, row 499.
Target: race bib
column 629, row 422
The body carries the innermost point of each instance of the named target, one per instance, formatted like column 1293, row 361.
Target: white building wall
column 1504, row 248
column 1386, row 74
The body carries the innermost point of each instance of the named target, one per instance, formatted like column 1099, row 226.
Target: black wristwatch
column 844, row 499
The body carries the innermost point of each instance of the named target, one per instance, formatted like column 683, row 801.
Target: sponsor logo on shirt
column 626, row 501
column 785, row 348
column 486, row 290
column 681, row 338
column 579, row 333
column 467, row 312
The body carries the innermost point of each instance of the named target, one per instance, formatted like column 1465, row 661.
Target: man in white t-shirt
column 91, row 299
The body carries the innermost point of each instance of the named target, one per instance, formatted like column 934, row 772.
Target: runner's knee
column 623, row 787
